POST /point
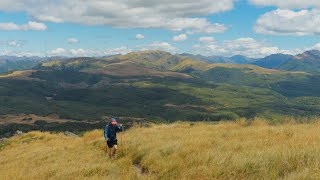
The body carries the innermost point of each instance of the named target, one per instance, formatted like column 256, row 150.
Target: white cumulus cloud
column 163, row 46
column 139, row 36
column 207, row 40
column 287, row 4
column 181, row 37
column 15, row 43
column 168, row 14
column 114, row 51
column 242, row 46
column 31, row 25
column 82, row 52
column 289, row 22
column 72, row 41
column 57, row 52
column 18, row 53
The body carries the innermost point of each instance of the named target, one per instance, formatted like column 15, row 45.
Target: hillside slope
column 157, row 85
column 237, row 59
column 273, row 61
column 308, row 61
column 177, row 151
column 143, row 63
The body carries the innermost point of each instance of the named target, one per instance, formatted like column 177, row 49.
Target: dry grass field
column 227, row 150
column 31, row 119
column 20, row 75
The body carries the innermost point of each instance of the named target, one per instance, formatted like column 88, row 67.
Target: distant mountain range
column 14, row 63
column 273, row 61
column 238, row 59
column 308, row 61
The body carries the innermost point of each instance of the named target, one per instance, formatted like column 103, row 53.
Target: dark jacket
column 111, row 131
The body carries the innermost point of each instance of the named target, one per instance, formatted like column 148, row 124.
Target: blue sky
column 254, row 28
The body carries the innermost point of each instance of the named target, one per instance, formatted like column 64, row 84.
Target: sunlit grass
column 227, row 150
column 250, row 68
column 14, row 74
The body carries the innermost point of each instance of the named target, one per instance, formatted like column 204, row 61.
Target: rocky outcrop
column 70, row 134
column 18, row 133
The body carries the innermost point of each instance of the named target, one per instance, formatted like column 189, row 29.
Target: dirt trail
column 138, row 169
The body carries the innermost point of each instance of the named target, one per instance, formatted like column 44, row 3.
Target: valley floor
column 227, row 150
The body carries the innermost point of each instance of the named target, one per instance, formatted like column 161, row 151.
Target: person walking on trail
column 110, row 134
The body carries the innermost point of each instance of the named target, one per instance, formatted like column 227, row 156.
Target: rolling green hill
column 144, row 63
column 158, row 86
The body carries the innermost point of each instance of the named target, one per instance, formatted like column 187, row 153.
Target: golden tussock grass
column 227, row 150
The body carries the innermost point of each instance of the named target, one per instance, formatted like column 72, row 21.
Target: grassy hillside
column 12, row 65
column 178, row 151
column 237, row 74
column 308, row 61
column 273, row 61
column 237, row 59
column 82, row 96
column 144, row 63
column 159, row 86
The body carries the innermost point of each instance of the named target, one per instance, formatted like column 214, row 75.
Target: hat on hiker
column 113, row 121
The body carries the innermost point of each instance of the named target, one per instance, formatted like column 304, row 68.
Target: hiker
column 110, row 134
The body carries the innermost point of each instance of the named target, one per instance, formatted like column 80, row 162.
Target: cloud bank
column 31, row 25
column 176, row 15
column 289, row 22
